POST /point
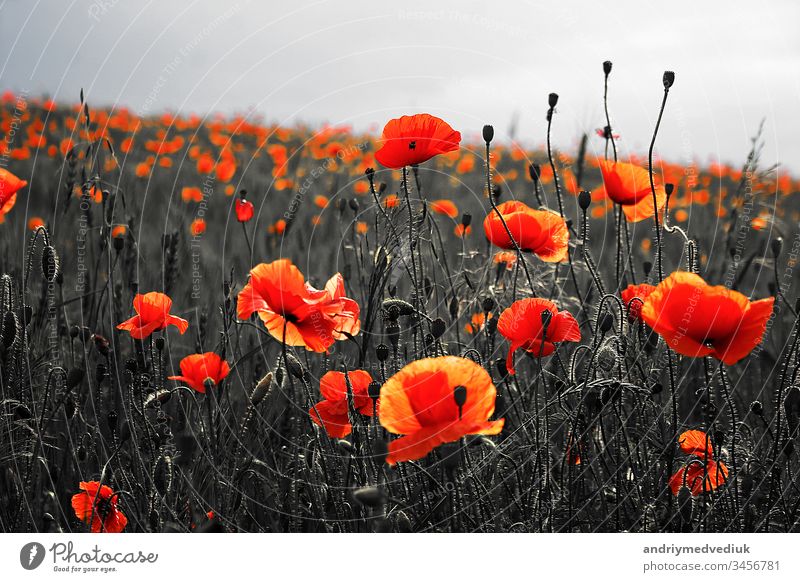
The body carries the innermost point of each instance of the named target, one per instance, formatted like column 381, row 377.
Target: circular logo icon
column 31, row 555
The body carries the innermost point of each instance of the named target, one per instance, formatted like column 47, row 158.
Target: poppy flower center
column 290, row 317
column 412, row 145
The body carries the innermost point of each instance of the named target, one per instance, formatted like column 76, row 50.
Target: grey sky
column 468, row 62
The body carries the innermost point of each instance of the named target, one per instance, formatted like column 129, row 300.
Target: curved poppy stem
column 520, row 257
column 659, row 250
column 610, row 135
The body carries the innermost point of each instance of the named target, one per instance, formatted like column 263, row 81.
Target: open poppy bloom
column 413, row 139
column 331, row 413
column 445, row 207
column 629, row 186
column 697, row 319
column 97, row 505
column 638, row 292
column 9, row 186
column 522, row 325
column 293, row 311
column 244, row 210
column 197, row 369
column 541, row 232
column 434, row 401
column 152, row 314
column 698, row 444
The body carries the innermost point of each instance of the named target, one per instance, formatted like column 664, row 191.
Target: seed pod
column 488, row 133
column 354, row 204
column 607, row 68
column 606, row 323
column 453, row 308
column 757, row 408
column 374, row 390
column 10, row 323
column 398, row 306
column 466, row 219
column 294, row 366
column 382, row 352
column 584, row 199
column 534, row 171
column 438, row 327
column 668, row 79
column 552, row 100
column 488, row 304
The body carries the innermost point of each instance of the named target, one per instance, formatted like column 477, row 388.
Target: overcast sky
column 471, row 63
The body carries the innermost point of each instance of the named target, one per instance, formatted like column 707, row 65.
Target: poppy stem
column 659, row 250
column 609, row 134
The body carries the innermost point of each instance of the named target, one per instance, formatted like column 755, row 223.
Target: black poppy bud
column 112, row 419
column 568, row 223
column 353, row 204
column 607, row 68
column 584, row 199
column 669, row 188
column 757, row 408
column 606, row 323
column 466, row 219
column 374, row 390
column 552, row 100
column 294, row 366
column 647, row 266
column 49, row 263
column 438, row 327
column 160, row 344
column 393, row 332
column 453, row 308
column 382, row 352
column 488, row 133
column 534, row 171
column 776, row 245
column 488, row 304
column 119, row 243
column 669, row 79
column 262, row 389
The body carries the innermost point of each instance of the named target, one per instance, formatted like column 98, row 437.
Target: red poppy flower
column 541, row 232
column 697, row 443
column 521, row 324
column 9, row 186
column 413, row 139
column 289, row 306
column 331, row 413
column 244, row 210
column 629, row 186
column 697, row 319
column 226, row 168
column 638, row 292
column 445, row 207
column 97, row 505
column 692, row 477
column 152, row 314
column 198, row 368
column 422, row 400
column 198, row 227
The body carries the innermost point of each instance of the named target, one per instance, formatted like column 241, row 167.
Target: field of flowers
column 219, row 324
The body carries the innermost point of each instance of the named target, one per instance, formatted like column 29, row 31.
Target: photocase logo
column 31, row 555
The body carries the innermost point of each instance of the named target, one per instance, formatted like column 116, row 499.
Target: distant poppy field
column 218, row 324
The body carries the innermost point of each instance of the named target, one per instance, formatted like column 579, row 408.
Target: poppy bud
column 49, row 263
column 552, row 100
column 647, row 266
column 9, row 328
column 460, row 396
column 74, row 377
column 776, row 245
column 466, row 219
column 757, row 408
column 159, row 344
column 488, row 304
column 111, row 420
column 438, row 327
column 453, row 308
column 294, row 366
column 397, row 307
column 353, row 204
column 369, row 173
column 534, row 171
column 262, row 389
column 606, row 323
column 382, row 352
column 374, row 390
column 606, row 68
column 669, row 79
column 119, row 243
column 497, row 191
column 341, row 204
column 488, row 133
column 584, row 199
column 500, row 364
column 393, row 331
